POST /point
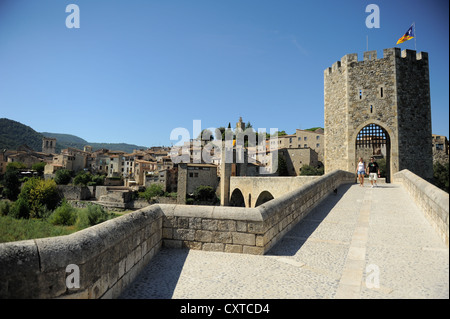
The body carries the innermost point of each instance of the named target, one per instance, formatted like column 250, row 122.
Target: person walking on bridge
column 374, row 172
column 361, row 171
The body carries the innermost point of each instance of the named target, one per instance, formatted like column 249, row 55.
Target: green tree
column 15, row 166
column 39, row 167
column 382, row 165
column 97, row 180
column 82, row 178
column 11, row 185
column 282, row 166
column 20, row 209
column 308, row 170
column 63, row 176
column 92, row 215
column 205, row 194
column 63, row 215
column 441, row 176
column 152, row 191
column 5, row 207
column 40, row 195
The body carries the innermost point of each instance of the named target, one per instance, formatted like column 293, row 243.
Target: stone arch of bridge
column 263, row 197
column 237, row 198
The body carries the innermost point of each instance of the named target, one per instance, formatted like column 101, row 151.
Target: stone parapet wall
column 245, row 230
column 213, row 228
column 433, row 201
column 108, row 255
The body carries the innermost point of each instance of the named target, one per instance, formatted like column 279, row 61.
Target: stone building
column 240, row 125
column 440, row 143
column 303, row 139
column 191, row 176
column 296, row 158
column 379, row 106
column 48, row 145
column 440, row 149
column 166, row 178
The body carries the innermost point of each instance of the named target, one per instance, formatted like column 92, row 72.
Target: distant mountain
column 66, row 138
column 129, row 148
column 14, row 134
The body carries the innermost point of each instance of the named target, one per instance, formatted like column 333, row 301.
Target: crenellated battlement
column 391, row 53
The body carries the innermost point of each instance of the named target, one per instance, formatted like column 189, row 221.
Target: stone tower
column 48, row 145
column 381, row 108
column 240, row 125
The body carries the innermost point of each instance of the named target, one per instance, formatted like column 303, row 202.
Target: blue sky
column 135, row 70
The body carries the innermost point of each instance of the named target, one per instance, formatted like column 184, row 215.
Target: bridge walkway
column 361, row 243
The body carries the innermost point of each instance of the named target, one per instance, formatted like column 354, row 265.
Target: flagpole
column 415, row 36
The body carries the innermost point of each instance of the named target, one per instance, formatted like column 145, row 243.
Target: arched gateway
column 373, row 140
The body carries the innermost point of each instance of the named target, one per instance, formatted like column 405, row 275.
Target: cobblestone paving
column 362, row 243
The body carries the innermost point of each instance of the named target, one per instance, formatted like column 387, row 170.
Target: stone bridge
column 254, row 191
column 386, row 242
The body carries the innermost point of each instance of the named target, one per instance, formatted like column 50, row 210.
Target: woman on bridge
column 361, row 171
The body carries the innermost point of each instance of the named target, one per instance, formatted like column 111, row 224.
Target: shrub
column 15, row 166
column 152, row 191
column 382, row 165
column 63, row 215
column 92, row 215
column 204, row 193
column 11, row 185
column 282, row 166
column 82, row 178
column 98, row 180
column 308, row 170
column 39, row 167
column 20, row 209
column 63, row 176
column 4, row 207
column 40, row 195
column 441, row 176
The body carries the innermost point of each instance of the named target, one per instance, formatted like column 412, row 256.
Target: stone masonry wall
column 335, row 115
column 109, row 257
column 245, row 230
column 111, row 254
column 433, row 201
column 414, row 113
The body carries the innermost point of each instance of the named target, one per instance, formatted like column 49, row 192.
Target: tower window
column 381, row 92
column 371, row 109
column 360, row 94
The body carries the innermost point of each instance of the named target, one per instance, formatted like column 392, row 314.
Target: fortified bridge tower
column 381, row 108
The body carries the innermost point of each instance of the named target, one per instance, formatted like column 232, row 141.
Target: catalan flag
column 408, row 35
